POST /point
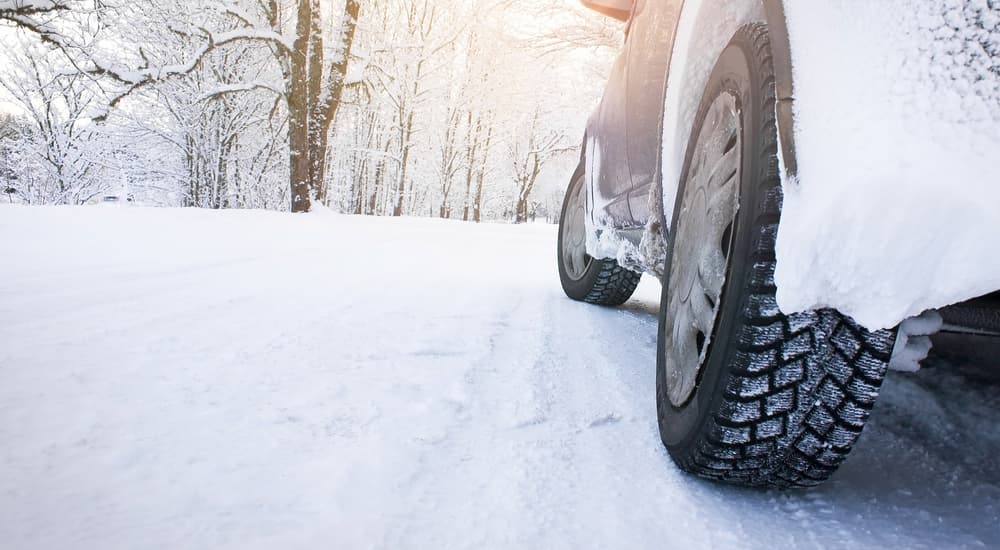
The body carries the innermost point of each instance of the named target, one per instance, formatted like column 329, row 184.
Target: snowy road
column 191, row 379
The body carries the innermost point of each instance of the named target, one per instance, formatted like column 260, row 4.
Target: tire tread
column 614, row 285
column 800, row 387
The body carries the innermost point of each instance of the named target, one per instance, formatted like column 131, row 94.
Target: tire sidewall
column 680, row 427
column 577, row 289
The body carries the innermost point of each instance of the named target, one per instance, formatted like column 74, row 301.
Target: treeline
column 464, row 109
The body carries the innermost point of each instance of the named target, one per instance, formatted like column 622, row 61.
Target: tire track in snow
column 462, row 477
column 539, row 454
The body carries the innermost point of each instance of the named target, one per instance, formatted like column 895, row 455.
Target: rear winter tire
column 757, row 398
column 583, row 278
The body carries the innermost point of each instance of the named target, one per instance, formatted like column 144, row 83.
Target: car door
column 607, row 149
column 651, row 38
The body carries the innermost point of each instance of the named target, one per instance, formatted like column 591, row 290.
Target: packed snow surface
column 195, row 379
column 897, row 112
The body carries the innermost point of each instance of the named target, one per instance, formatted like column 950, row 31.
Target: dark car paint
column 623, row 135
column 651, row 35
column 607, row 173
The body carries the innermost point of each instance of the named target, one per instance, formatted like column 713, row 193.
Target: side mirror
column 618, row 9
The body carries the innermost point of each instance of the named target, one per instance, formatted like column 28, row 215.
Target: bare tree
column 528, row 156
column 56, row 104
column 313, row 75
column 408, row 107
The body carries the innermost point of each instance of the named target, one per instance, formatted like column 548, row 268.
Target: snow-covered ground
column 192, row 379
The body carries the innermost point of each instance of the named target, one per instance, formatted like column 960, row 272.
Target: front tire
column 586, row 279
column 746, row 394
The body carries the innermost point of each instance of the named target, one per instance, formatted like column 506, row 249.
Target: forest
column 460, row 109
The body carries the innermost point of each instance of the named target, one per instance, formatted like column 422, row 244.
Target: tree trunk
column 298, row 111
column 526, row 187
column 317, row 143
column 311, row 108
column 359, row 182
column 328, row 93
column 373, row 199
column 404, row 164
column 472, row 138
column 521, row 215
column 477, row 207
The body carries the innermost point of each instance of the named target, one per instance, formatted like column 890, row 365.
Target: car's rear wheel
column 746, row 394
column 587, row 279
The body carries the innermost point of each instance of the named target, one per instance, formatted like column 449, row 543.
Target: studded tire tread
column 614, row 285
column 605, row 282
column 797, row 389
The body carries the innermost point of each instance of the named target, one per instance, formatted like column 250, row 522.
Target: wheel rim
column 574, row 234
column 702, row 246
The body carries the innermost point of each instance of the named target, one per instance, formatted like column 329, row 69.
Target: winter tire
column 584, row 278
column 746, row 394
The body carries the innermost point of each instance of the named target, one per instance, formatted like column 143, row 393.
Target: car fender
column 888, row 123
column 892, row 205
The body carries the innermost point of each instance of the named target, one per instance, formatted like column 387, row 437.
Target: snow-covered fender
column 889, row 124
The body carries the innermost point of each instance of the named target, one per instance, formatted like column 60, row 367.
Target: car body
column 888, row 119
column 813, row 184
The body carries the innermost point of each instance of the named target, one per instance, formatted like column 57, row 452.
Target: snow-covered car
column 803, row 177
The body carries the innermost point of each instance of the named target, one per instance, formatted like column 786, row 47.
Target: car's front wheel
column 587, row 279
column 746, row 394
